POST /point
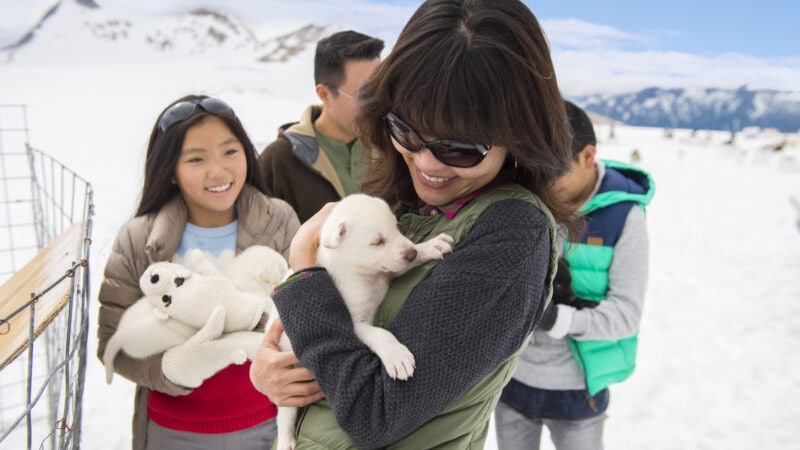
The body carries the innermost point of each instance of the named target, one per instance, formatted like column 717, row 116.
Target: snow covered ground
column 718, row 365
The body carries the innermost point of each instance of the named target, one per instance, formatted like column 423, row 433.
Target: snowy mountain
column 283, row 47
column 83, row 31
column 710, row 108
column 68, row 23
column 201, row 31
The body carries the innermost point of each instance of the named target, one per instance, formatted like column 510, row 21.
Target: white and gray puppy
column 362, row 249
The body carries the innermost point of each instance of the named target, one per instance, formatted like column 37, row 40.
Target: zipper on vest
column 592, row 404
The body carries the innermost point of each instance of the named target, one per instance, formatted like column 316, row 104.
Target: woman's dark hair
column 164, row 148
column 476, row 71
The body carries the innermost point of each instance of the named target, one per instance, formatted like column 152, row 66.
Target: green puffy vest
column 464, row 424
column 605, row 362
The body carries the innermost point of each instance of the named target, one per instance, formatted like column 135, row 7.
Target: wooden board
column 42, row 271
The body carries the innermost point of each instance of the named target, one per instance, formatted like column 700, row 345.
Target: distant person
column 732, row 139
column 320, row 158
column 586, row 339
column 636, row 157
column 201, row 190
column 796, row 203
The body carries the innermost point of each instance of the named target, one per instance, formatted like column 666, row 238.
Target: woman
column 467, row 119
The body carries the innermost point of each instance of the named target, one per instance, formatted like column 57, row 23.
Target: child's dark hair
column 164, row 148
column 582, row 128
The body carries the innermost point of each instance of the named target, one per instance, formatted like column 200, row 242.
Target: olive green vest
column 464, row 424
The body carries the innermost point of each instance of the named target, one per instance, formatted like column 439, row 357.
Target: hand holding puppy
column 278, row 375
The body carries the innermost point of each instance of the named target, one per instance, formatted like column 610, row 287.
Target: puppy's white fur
column 205, row 302
column 362, row 249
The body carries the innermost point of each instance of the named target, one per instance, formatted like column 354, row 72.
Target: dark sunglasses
column 182, row 110
column 449, row 152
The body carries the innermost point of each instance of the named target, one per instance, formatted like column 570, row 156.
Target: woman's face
column 438, row 184
column 210, row 172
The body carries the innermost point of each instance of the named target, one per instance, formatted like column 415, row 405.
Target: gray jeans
column 259, row 437
column 517, row 432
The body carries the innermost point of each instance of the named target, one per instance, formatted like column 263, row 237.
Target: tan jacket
column 151, row 238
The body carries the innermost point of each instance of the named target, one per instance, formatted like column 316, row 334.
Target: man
column 586, row 339
column 320, row 158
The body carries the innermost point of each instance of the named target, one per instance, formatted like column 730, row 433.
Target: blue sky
column 611, row 46
column 767, row 28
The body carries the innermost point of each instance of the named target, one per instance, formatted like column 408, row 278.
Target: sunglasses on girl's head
column 449, row 152
column 182, row 110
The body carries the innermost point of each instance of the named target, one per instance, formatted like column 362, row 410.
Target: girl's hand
column 277, row 374
column 303, row 250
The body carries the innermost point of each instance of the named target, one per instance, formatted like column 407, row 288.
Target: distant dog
column 362, row 249
column 180, row 303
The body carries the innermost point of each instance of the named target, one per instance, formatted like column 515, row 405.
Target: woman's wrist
column 303, row 250
column 302, row 253
column 297, row 276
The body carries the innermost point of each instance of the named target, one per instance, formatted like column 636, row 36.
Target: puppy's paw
column 398, row 361
column 238, row 357
column 443, row 242
column 272, row 274
column 435, row 248
column 286, row 444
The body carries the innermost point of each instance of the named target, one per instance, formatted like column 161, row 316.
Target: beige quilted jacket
column 147, row 239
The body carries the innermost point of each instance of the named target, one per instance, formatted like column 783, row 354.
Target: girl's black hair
column 164, row 148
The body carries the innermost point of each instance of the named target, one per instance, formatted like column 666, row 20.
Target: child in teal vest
column 587, row 337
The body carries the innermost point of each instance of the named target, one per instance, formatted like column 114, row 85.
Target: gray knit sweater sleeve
column 468, row 316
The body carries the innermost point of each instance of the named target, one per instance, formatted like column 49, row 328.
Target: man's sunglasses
column 182, row 110
column 449, row 152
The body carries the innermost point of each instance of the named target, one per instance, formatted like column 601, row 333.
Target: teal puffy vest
column 623, row 187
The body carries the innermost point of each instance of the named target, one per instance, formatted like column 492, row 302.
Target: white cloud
column 597, row 58
column 620, row 71
column 589, row 57
column 577, row 34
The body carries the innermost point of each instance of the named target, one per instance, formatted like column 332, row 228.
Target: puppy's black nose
column 166, row 299
column 179, row 281
column 411, row 254
column 154, row 278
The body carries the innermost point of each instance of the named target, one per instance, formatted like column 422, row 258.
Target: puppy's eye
column 378, row 242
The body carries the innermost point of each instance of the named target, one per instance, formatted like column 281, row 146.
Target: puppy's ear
column 331, row 235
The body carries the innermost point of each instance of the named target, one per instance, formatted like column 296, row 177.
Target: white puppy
column 198, row 305
column 362, row 249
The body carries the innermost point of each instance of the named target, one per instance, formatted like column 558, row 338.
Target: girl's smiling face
column 211, row 172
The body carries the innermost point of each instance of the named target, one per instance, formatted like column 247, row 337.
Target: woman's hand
column 303, row 250
column 277, row 374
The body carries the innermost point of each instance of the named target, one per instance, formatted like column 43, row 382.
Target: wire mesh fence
column 45, row 230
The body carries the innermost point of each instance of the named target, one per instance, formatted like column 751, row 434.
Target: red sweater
column 224, row 403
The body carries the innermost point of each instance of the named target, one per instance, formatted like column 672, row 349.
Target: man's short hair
column 582, row 128
column 336, row 49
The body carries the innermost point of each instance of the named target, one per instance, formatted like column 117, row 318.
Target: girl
column 201, row 190
column 467, row 118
